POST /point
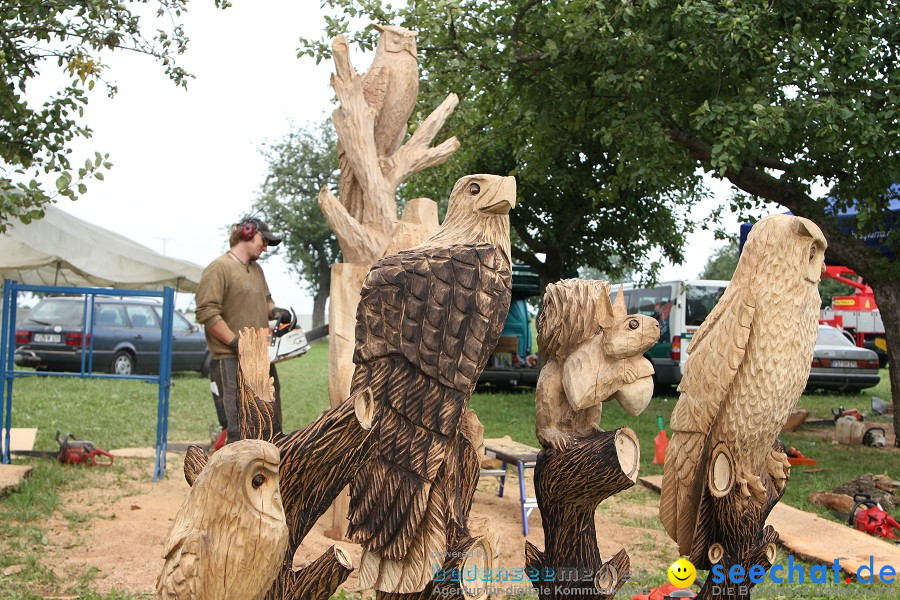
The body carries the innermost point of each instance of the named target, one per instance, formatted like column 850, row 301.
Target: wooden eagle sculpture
column 592, row 352
column 230, row 536
column 428, row 320
column 748, row 364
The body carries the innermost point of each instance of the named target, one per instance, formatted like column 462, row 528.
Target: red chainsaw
column 73, row 451
column 868, row 516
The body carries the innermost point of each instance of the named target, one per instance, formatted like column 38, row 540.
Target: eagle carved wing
column 443, row 310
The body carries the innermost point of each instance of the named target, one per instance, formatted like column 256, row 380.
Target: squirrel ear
column 605, row 315
column 619, row 309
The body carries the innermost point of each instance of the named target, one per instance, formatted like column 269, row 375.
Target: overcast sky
column 187, row 162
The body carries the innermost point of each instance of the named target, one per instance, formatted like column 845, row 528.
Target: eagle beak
column 504, row 199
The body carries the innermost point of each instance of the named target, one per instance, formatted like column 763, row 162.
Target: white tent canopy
column 63, row 250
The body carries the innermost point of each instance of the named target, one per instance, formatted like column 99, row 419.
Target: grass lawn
column 116, row 414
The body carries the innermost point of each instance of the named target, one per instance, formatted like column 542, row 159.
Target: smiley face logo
column 682, row 573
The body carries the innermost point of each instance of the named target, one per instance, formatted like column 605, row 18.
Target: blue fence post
column 4, row 347
column 165, row 384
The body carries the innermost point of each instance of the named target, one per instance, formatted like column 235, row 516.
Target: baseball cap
column 263, row 229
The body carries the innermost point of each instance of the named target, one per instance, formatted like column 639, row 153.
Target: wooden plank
column 22, row 438
column 507, row 450
column 819, row 540
column 11, row 476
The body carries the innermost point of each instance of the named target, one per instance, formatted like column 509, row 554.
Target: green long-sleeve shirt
column 234, row 292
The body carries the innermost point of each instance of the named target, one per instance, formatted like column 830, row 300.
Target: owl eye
column 812, row 252
column 633, row 324
column 258, row 480
column 474, row 189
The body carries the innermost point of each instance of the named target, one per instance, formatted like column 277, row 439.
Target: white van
column 680, row 307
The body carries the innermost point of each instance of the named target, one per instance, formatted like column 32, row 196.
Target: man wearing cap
column 232, row 295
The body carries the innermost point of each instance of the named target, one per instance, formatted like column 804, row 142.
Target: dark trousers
column 223, row 375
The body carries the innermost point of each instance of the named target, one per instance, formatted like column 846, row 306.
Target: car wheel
column 204, row 366
column 122, row 363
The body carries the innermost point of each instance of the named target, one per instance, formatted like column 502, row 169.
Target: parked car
column 126, row 337
column 839, row 364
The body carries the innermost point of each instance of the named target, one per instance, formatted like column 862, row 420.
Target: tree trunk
column 320, row 300
column 887, row 297
column 569, row 486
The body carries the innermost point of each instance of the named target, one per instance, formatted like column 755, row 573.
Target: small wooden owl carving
column 229, row 538
column 391, row 86
column 593, row 353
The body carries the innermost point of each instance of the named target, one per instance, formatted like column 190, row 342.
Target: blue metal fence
column 8, row 372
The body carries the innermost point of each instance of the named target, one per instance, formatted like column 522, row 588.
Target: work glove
column 234, row 344
column 284, row 321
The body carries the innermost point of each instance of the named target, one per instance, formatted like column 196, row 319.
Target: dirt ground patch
column 116, row 529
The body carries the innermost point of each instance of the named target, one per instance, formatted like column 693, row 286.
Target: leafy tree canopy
column 299, row 165
column 775, row 97
column 611, row 109
column 71, row 37
column 523, row 114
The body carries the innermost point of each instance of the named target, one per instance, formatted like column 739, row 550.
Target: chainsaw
column 868, row 516
column 288, row 340
column 73, row 451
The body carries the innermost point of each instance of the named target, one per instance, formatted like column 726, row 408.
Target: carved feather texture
column 748, row 364
column 442, row 309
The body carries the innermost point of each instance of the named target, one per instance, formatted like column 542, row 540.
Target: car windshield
column 57, row 311
column 831, row 337
column 700, row 301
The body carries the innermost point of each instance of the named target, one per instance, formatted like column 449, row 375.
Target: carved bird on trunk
column 748, row 365
column 428, row 319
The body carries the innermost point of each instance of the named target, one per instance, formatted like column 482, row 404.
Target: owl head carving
column 396, row 39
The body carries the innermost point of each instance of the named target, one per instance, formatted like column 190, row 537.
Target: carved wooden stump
column 738, row 534
column 569, row 486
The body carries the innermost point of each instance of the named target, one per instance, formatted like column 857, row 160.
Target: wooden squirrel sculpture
column 593, row 352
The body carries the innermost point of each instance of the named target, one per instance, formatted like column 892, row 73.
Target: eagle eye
column 474, row 189
column 258, row 480
column 633, row 324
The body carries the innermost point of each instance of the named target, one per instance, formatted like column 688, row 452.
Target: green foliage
column 722, row 263
column 300, row 164
column 605, row 110
column 72, row 37
column 529, row 109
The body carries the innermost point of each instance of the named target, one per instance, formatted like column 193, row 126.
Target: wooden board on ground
column 819, row 540
column 12, row 475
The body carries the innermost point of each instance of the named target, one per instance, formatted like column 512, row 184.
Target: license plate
column 47, row 338
column 843, row 364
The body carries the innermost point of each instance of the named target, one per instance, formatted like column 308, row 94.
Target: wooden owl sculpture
column 229, row 538
column 391, row 86
column 428, row 319
column 593, row 353
column 748, row 364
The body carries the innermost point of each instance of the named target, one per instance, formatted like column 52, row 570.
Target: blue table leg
column 521, row 467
